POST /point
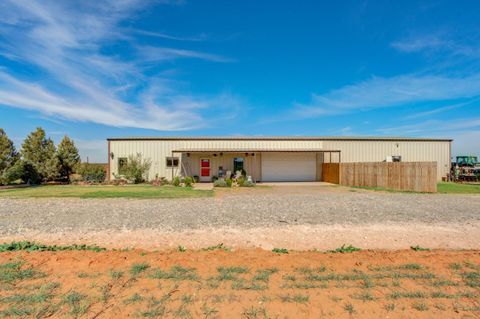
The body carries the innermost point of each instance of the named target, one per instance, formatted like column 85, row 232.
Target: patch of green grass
column 220, row 246
column 455, row 266
column 106, row 191
column 348, row 307
column 209, row 312
column 14, row 271
column 137, row 269
column 456, row 188
column 264, row 274
column 115, row 274
column 295, row 298
column 444, row 283
column 364, row 296
column 77, row 303
column 242, row 284
column 32, row 246
column 133, row 299
column 471, row 278
column 409, row 295
column 345, row 249
column 255, row 312
column 420, row 306
column 176, row 272
column 280, row 250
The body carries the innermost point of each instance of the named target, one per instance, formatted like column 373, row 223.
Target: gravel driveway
column 270, row 208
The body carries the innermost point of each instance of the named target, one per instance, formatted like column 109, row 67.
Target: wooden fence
column 404, row 176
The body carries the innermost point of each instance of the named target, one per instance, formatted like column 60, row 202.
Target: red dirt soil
column 306, row 284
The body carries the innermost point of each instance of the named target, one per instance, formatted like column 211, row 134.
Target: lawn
column 455, row 188
column 106, row 191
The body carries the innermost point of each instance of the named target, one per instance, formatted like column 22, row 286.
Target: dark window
column 172, row 161
column 237, row 164
column 122, row 162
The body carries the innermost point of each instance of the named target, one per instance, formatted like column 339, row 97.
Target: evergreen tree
column 39, row 152
column 68, row 157
column 8, row 156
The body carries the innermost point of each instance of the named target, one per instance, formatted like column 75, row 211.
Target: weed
column 116, row 275
column 133, row 299
column 187, row 299
column 389, row 307
column 418, row 248
column 77, row 303
column 208, row 312
column 295, row 298
column 264, row 274
column 13, row 271
column 411, row 266
column 440, row 306
column 455, row 266
column 181, row 249
column 364, row 296
column 154, row 313
column 280, row 250
column 217, row 247
column 348, row 307
column 420, row 306
column 444, row 283
column 410, row 295
column 137, row 269
column 32, row 246
column 441, row 294
column 242, row 284
column 471, row 279
column 176, row 273
column 344, row 249
column 254, row 313
column 336, row 298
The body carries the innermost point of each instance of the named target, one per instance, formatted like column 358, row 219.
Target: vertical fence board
column 404, row 176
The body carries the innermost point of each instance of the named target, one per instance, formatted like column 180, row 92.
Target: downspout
column 109, row 163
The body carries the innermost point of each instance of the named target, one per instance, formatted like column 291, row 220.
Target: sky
column 98, row 69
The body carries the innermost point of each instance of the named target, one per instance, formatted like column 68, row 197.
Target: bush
column 240, row 180
column 136, row 168
column 160, row 181
column 214, row 178
column 229, row 182
column 188, row 181
column 220, row 182
column 176, row 181
column 248, row 183
column 91, row 173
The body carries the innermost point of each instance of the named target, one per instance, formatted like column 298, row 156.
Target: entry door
column 205, row 170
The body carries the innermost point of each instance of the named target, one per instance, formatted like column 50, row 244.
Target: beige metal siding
column 351, row 151
column 377, row 151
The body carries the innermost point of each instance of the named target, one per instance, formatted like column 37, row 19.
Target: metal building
column 270, row 158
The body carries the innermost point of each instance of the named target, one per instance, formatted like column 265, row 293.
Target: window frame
column 172, row 160
column 121, row 162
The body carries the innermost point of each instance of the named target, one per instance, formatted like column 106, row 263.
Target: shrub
column 214, row 178
column 188, row 181
column 91, row 173
column 220, row 183
column 136, row 168
column 248, row 183
column 229, row 182
column 240, row 180
column 176, row 181
column 160, row 181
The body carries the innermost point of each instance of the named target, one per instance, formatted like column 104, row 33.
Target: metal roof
column 280, row 138
column 249, row 150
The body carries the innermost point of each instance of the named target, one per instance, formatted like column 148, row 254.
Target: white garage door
column 288, row 167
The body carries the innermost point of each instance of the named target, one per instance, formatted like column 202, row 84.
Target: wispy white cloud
column 79, row 81
column 380, row 92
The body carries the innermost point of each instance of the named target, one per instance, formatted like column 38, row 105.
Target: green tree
column 39, row 152
column 68, row 157
column 8, row 156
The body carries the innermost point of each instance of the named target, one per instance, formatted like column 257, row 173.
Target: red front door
column 205, row 170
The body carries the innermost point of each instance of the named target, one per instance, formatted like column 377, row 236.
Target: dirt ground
column 240, row 284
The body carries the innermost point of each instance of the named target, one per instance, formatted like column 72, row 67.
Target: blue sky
column 98, row 69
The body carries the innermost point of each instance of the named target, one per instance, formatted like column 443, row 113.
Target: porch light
column 221, row 154
column 112, row 155
column 188, row 154
column 253, row 154
column 246, row 154
column 214, row 155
